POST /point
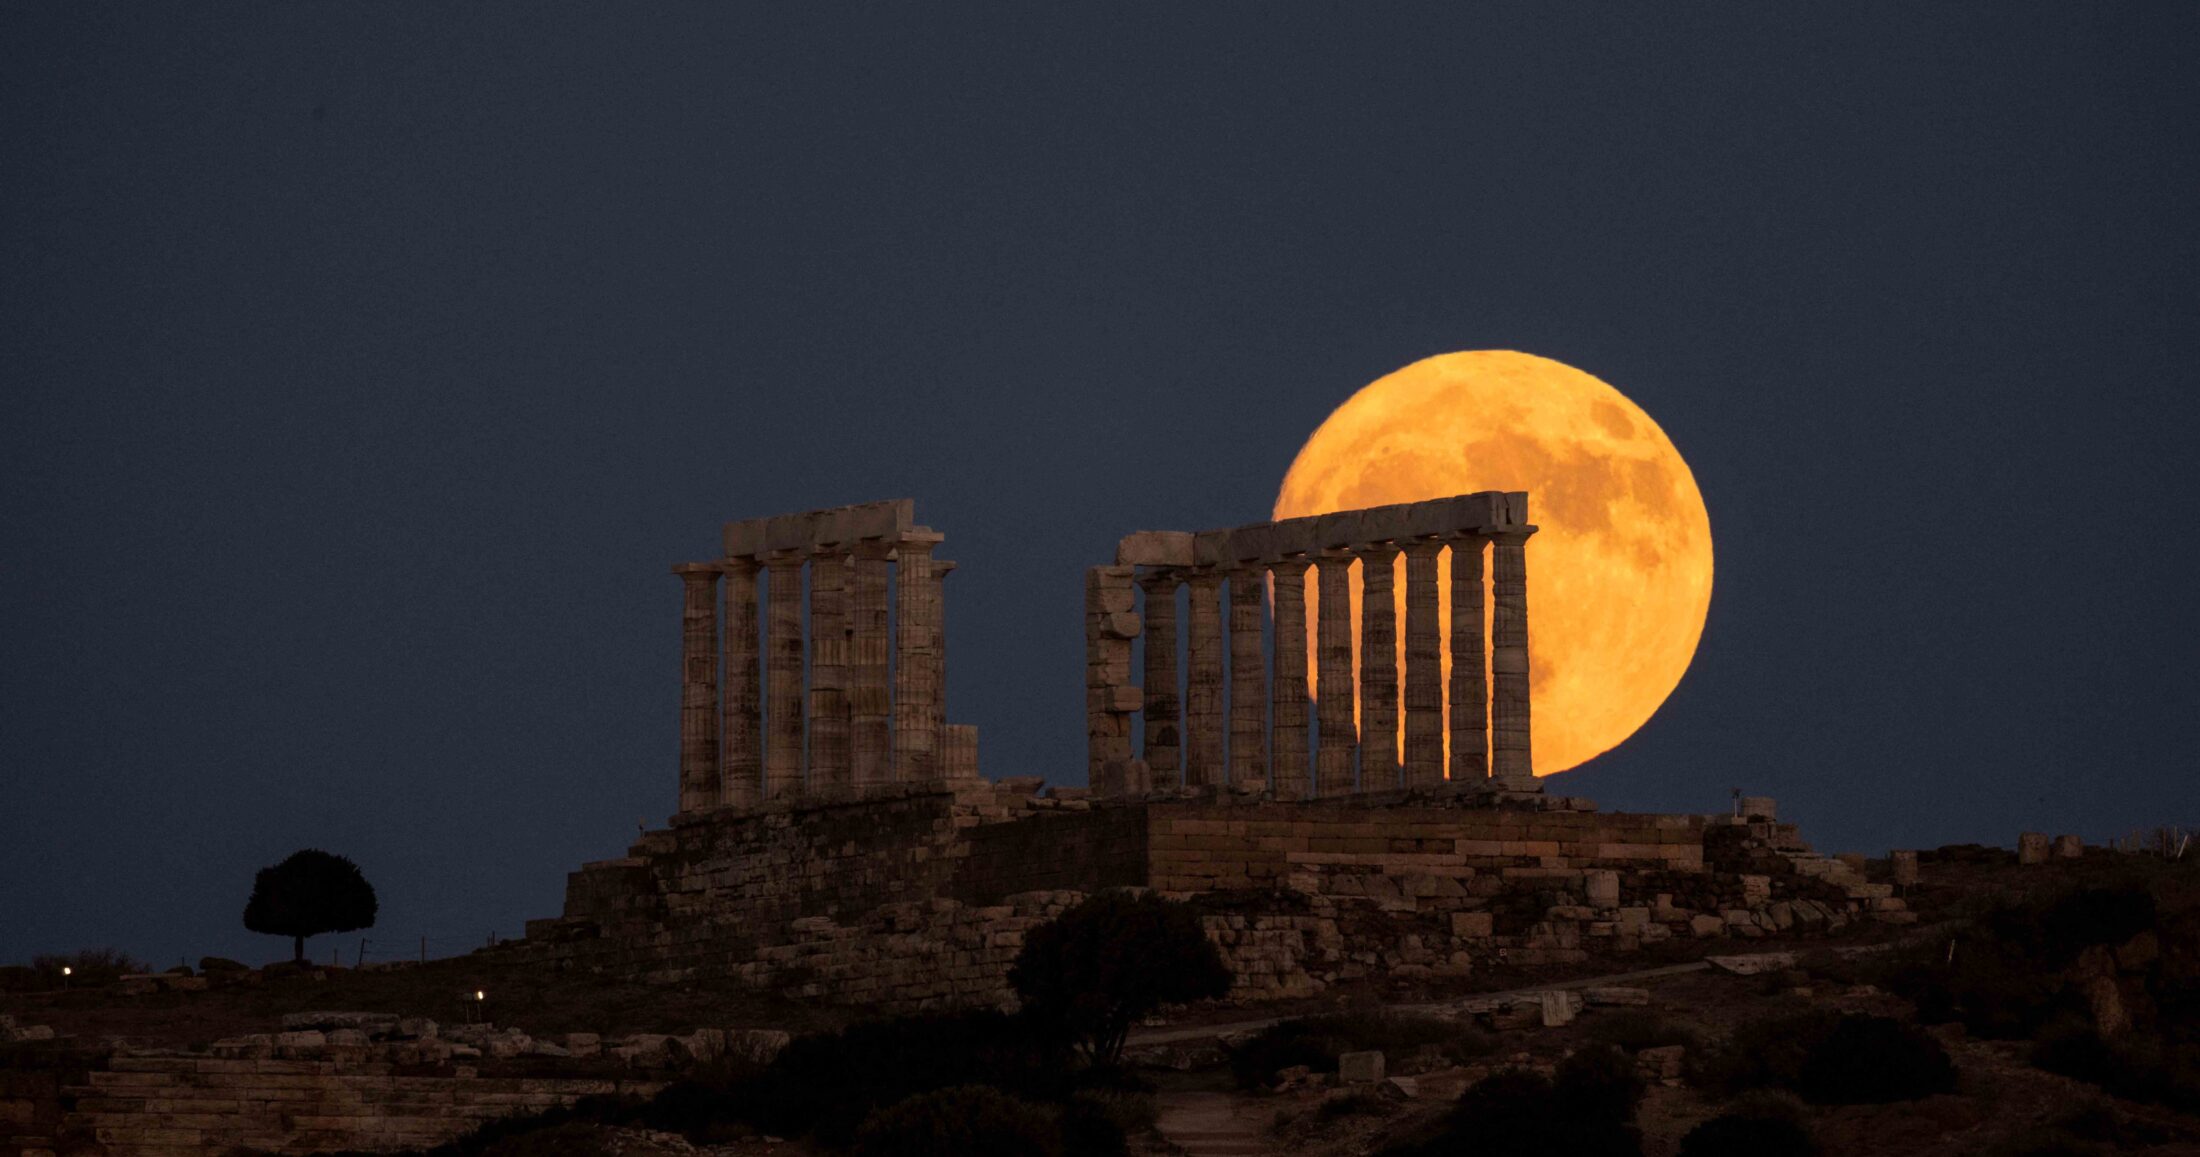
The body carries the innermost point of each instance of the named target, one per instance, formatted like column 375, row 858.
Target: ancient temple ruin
column 834, row 840
column 1260, row 708
column 863, row 705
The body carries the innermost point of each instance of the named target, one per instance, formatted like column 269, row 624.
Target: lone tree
column 1102, row 965
column 310, row 893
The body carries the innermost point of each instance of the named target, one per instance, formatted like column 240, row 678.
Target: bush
column 2003, row 978
column 1872, row 1060
column 1598, row 1081
column 1317, row 1041
column 968, row 1120
column 1636, row 1029
column 1737, row 1135
column 2139, row 1066
column 1837, row 1059
column 1099, row 1122
column 1092, row 972
column 827, row 1084
column 1524, row 1114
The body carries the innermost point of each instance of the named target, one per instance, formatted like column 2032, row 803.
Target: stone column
column 741, row 775
column 1512, row 761
column 1287, row 767
column 941, row 568
column 916, row 667
column 1163, row 705
column 1470, row 692
column 1110, row 625
column 1248, row 679
column 870, row 698
column 1203, row 688
column 698, row 686
column 1424, row 763
column 1333, row 682
column 783, row 664
column 829, row 716
column 959, row 742
column 1378, row 668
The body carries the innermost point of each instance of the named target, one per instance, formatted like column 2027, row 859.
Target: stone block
column 1559, row 1007
column 2068, row 847
column 2032, row 848
column 1759, row 808
column 1472, row 925
column 1903, row 867
column 1154, row 548
column 1603, row 889
column 1706, row 925
column 1360, row 1068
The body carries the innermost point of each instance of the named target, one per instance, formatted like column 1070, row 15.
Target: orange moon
column 1619, row 575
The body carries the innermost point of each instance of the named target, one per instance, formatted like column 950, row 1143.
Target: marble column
column 1333, row 682
column 829, row 715
column 1248, row 678
column 1111, row 622
column 1203, row 695
column 783, row 665
column 937, row 724
column 1287, row 767
column 1163, row 703
column 916, row 670
column 870, row 698
column 1512, row 761
column 1470, row 692
column 1378, row 668
column 741, row 772
column 1424, row 695
column 698, row 686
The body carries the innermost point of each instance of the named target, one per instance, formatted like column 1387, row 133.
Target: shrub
column 1737, row 1135
column 1092, row 972
column 1317, row 1041
column 309, row 893
column 2140, row 1066
column 968, row 1120
column 1871, row 1060
column 1524, row 1114
column 1598, row 1081
column 1833, row 1059
column 827, row 1084
column 1098, row 1122
column 1636, row 1029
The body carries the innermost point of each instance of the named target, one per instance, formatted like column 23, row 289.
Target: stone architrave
column 1203, row 694
column 830, row 719
column 698, row 686
column 916, row 667
column 1512, row 761
column 1337, row 741
column 783, row 665
column 741, row 771
column 1163, row 704
column 1424, row 692
column 1470, row 692
column 1378, row 668
column 1248, row 679
column 1288, row 770
column 870, row 647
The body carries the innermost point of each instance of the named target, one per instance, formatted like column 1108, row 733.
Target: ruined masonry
column 1266, row 709
column 834, row 841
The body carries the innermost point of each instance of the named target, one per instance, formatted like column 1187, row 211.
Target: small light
column 480, row 995
column 67, row 971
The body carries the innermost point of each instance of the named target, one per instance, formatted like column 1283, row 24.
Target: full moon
column 1619, row 575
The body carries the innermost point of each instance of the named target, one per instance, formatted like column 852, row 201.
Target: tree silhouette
column 310, row 893
column 1099, row 967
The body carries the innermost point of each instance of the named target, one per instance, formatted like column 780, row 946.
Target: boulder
column 221, row 964
column 2032, row 847
column 1360, row 1068
column 1560, row 1006
column 1753, row 963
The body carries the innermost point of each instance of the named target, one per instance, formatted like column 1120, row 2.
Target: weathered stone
column 1902, row 866
column 1360, row 1068
column 1379, row 770
column 2032, row 848
column 2068, row 847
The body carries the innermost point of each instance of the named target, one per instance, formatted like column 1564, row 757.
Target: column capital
column 1203, row 577
column 943, row 567
column 785, row 558
column 1512, row 535
column 874, row 549
column 923, row 537
column 696, row 571
column 1159, row 576
column 1422, row 547
column 739, row 564
column 1383, row 547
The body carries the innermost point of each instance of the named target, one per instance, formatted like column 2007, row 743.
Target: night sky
column 365, row 369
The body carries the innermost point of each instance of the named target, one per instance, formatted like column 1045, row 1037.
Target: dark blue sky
column 364, row 369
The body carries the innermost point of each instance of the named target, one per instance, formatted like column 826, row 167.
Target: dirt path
column 1208, row 1125
column 1162, row 1036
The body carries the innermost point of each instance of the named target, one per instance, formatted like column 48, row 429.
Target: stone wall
column 919, row 898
